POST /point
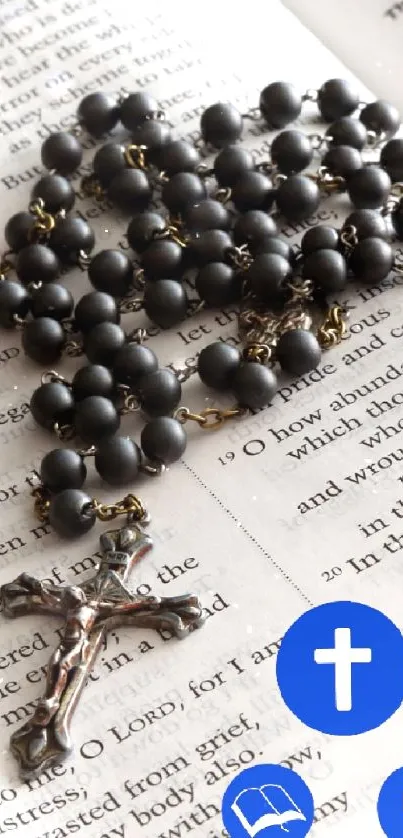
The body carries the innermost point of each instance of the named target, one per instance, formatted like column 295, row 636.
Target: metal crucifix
column 90, row 611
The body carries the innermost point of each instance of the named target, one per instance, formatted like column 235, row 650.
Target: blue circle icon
column 267, row 801
column 390, row 805
column 340, row 668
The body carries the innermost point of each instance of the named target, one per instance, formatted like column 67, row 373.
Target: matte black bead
column 37, row 263
column 56, row 193
column 71, row 514
column 367, row 223
column 95, row 419
column 371, row 260
column 43, row 340
column 70, row 237
column 155, row 134
column 111, row 271
column 118, row 460
column 298, row 351
column 162, row 259
column 130, row 190
column 221, row 124
column 267, row 276
column 109, row 161
column 231, row 163
column 181, row 190
column 93, row 308
column 254, row 385
column 62, row 468
column 143, row 228
column 52, row 300
column 103, row 342
column 165, row 302
column 298, row 197
column 280, row 103
column 342, row 160
column 93, row 380
column 137, row 107
column 159, row 393
column 253, row 227
column 291, row 151
column 217, row 284
column 18, row 229
column 14, row 302
column 381, row 117
column 347, row 131
column 132, row 362
column 327, row 269
column 369, row 187
column 274, row 244
column 210, row 246
column 208, row 215
column 319, row 238
column 98, row 113
column 253, row 191
column 62, row 151
column 50, row 403
column 178, row 156
column 337, row 98
column 217, row 364
column 163, row 440
column 391, row 159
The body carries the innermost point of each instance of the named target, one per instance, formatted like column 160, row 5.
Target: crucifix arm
column 179, row 614
column 27, row 595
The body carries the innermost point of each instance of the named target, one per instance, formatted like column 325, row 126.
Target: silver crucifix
column 90, row 611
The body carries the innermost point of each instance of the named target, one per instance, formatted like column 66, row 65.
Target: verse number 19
column 227, row 458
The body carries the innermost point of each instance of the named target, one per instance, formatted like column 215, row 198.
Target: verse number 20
column 329, row 575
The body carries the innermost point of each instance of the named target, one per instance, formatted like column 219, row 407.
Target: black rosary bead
column 298, row 351
column 178, row 156
column 159, row 393
column 93, row 380
column 111, row 271
column 118, row 460
column 130, row 190
column 268, row 275
column 181, row 190
column 391, row 159
column 274, row 244
column 298, row 197
column 254, row 385
column 381, row 117
column 253, row 191
column 143, row 228
column 210, row 246
column 337, row 98
column 70, row 237
column 155, row 135
column 136, row 108
column 109, row 161
column 208, row 215
column 319, row 238
column 37, row 263
column 217, row 364
column 371, row 260
column 397, row 221
column 163, row 440
column 103, row 342
column 231, row 163
column 14, row 302
column 95, row 419
column 52, row 300
column 163, row 258
column 342, row 160
column 62, row 468
column 327, row 269
column 43, row 340
column 221, row 124
column 93, row 308
column 369, row 187
column 291, row 152
column 71, row 513
column 133, row 361
column 63, row 152
column 55, row 191
column 367, row 223
column 165, row 302
column 253, row 227
column 18, row 230
column 50, row 403
column 217, row 284
column 98, row 113
column 347, row 131
column 280, row 103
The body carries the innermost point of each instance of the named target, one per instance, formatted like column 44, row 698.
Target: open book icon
column 268, row 805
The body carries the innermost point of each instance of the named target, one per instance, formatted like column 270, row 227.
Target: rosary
column 213, row 243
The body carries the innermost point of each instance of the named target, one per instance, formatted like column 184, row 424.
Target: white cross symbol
column 343, row 656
